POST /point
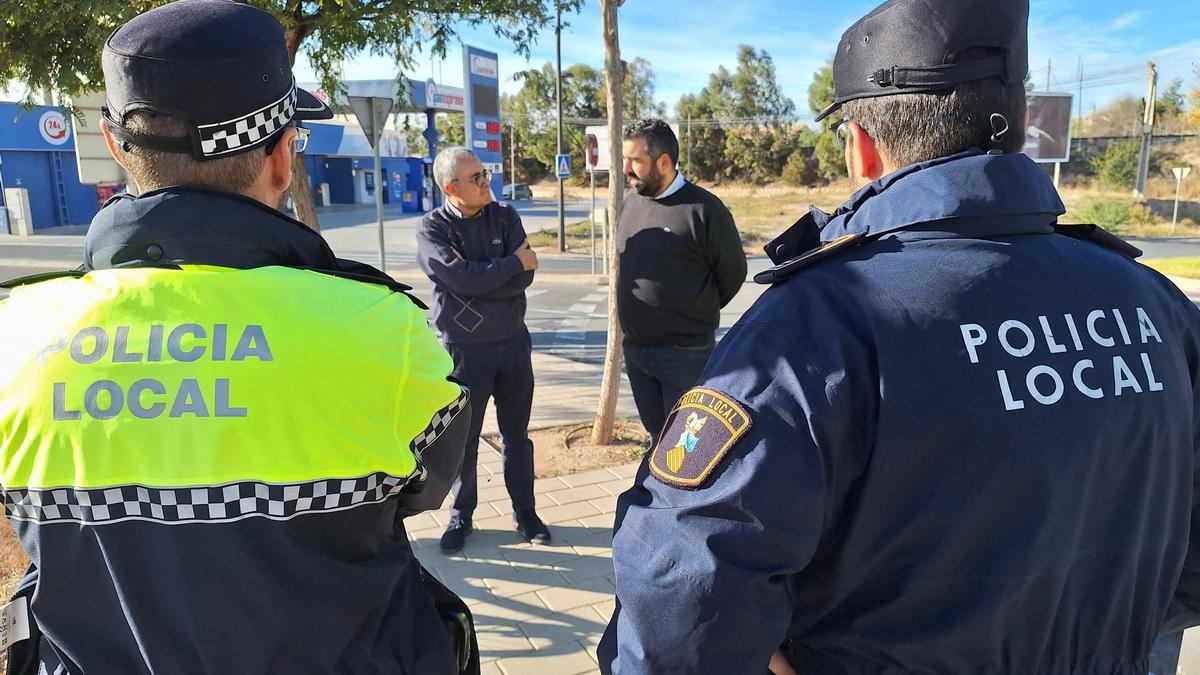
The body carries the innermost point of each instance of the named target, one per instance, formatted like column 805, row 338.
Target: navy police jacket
column 949, row 441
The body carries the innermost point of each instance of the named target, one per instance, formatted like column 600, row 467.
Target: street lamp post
column 562, row 226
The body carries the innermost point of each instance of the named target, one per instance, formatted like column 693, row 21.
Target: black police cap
column 914, row 46
column 219, row 66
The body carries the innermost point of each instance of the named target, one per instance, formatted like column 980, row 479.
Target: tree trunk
column 610, row 388
column 301, row 191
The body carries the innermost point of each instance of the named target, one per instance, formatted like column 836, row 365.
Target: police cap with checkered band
column 929, row 46
column 221, row 67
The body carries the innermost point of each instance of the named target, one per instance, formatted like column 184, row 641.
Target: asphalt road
column 568, row 307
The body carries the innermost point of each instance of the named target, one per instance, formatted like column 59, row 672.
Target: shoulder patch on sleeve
column 699, row 432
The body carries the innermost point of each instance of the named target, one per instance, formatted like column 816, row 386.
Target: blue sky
column 687, row 42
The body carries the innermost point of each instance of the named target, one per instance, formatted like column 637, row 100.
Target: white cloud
column 1126, row 20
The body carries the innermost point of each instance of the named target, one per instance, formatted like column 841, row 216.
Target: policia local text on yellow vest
column 209, row 462
column 91, row 345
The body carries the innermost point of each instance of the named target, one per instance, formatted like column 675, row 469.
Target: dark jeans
column 1164, row 654
column 659, row 376
column 502, row 370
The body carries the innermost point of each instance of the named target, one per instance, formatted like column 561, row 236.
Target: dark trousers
column 659, row 376
column 501, row 370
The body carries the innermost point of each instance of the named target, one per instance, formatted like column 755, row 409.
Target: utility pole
column 562, row 225
column 512, row 151
column 688, row 175
column 1081, row 88
column 1139, row 190
column 1048, row 62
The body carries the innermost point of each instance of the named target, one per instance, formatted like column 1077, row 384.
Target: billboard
column 601, row 134
column 427, row 95
column 1048, row 127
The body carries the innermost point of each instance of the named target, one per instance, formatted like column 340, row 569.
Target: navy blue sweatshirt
column 478, row 281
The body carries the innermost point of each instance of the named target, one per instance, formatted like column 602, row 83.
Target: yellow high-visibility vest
column 130, row 393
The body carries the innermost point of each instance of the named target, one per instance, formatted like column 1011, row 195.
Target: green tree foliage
column 756, row 91
column 1193, row 115
column 533, row 110
column 707, row 154
column 761, row 143
column 821, row 92
column 1171, row 102
column 1121, row 117
column 743, row 124
column 516, row 144
column 56, row 45
column 800, row 170
column 450, row 125
column 831, row 161
column 1117, row 167
column 1171, row 110
column 637, row 93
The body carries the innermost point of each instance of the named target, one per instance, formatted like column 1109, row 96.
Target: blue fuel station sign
column 481, row 82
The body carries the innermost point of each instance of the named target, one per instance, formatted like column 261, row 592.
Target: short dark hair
column 659, row 138
column 912, row 128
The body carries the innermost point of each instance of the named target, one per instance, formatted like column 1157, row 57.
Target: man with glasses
column 955, row 436
column 211, row 433
column 475, row 252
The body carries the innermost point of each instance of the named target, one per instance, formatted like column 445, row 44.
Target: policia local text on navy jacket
column 478, row 281
column 957, row 442
column 217, row 479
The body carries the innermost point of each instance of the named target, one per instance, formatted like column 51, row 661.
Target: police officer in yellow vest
column 211, row 434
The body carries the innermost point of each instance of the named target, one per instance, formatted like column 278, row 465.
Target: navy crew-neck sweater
column 478, row 281
column 681, row 262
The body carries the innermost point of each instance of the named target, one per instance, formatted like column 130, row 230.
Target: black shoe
column 530, row 527
column 456, row 533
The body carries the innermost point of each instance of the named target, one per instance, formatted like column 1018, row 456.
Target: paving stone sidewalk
column 538, row 609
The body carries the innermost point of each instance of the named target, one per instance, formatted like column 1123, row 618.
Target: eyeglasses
column 299, row 141
column 479, row 179
column 841, row 132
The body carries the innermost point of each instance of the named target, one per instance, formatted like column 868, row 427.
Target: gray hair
column 912, row 128
column 445, row 166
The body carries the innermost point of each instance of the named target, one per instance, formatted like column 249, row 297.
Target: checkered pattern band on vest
column 441, row 420
column 222, row 503
column 218, row 503
column 246, row 132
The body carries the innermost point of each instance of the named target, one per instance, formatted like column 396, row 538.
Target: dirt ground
column 12, row 566
column 562, row 450
column 12, row 561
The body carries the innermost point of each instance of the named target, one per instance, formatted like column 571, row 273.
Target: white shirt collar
column 675, row 186
column 453, row 211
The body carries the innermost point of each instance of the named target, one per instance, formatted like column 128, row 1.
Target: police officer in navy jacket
column 955, row 436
